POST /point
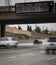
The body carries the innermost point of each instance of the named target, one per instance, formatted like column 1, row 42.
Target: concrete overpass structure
column 10, row 17
column 29, row 18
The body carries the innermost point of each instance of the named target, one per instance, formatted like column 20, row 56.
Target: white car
column 50, row 44
column 8, row 42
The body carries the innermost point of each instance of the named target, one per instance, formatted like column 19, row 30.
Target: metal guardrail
column 10, row 8
column 7, row 8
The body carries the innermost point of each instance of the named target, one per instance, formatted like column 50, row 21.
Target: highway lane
column 29, row 56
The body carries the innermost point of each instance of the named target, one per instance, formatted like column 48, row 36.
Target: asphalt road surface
column 30, row 56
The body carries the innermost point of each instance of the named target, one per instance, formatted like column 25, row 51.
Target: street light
column 54, row 5
column 25, row 1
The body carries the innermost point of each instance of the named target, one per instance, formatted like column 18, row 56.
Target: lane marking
column 12, row 57
column 51, row 58
column 23, row 55
column 31, row 54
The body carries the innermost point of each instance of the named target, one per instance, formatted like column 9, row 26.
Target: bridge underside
column 13, row 18
column 29, row 21
column 28, row 18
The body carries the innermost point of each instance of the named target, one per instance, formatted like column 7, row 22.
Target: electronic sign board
column 33, row 7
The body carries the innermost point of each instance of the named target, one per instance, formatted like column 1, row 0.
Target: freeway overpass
column 31, row 18
column 10, row 17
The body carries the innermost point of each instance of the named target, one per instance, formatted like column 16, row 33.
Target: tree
column 46, row 30
column 38, row 29
column 19, row 27
column 29, row 28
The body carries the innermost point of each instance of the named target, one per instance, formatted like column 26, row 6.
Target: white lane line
column 2, row 58
column 51, row 58
column 22, row 55
column 12, row 57
column 40, row 60
column 27, row 54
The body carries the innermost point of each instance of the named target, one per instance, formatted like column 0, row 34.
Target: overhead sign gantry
column 37, row 12
column 34, row 7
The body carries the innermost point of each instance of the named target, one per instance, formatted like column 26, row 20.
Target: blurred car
column 50, row 44
column 37, row 41
column 8, row 42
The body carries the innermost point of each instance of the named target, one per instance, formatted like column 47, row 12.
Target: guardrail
column 7, row 8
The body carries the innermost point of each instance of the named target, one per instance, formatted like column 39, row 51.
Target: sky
column 20, row 1
column 50, row 26
column 12, row 2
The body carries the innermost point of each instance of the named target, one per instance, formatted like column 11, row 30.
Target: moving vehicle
column 8, row 42
column 50, row 44
column 37, row 41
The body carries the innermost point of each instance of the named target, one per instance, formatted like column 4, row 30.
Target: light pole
column 10, row 1
column 54, row 5
column 25, row 1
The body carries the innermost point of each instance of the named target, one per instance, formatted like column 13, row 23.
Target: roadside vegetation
column 23, row 36
column 38, row 32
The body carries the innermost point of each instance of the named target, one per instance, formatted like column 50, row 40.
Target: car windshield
column 4, row 39
column 52, row 40
column 13, row 39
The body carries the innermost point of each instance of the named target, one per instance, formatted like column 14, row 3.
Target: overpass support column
column 3, row 30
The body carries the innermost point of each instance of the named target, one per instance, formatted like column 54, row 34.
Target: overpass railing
column 11, row 8
column 7, row 8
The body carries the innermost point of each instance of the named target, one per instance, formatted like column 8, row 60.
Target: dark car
column 37, row 42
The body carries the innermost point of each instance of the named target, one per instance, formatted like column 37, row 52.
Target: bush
column 19, row 36
column 23, row 36
column 26, row 36
column 38, row 29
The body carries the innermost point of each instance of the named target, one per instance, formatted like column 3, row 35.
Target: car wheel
column 15, row 45
column 53, row 51
column 8, row 46
column 47, row 51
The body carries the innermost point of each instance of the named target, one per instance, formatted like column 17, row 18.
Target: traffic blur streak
column 32, row 45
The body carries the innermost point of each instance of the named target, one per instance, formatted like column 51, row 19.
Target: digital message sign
column 32, row 7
